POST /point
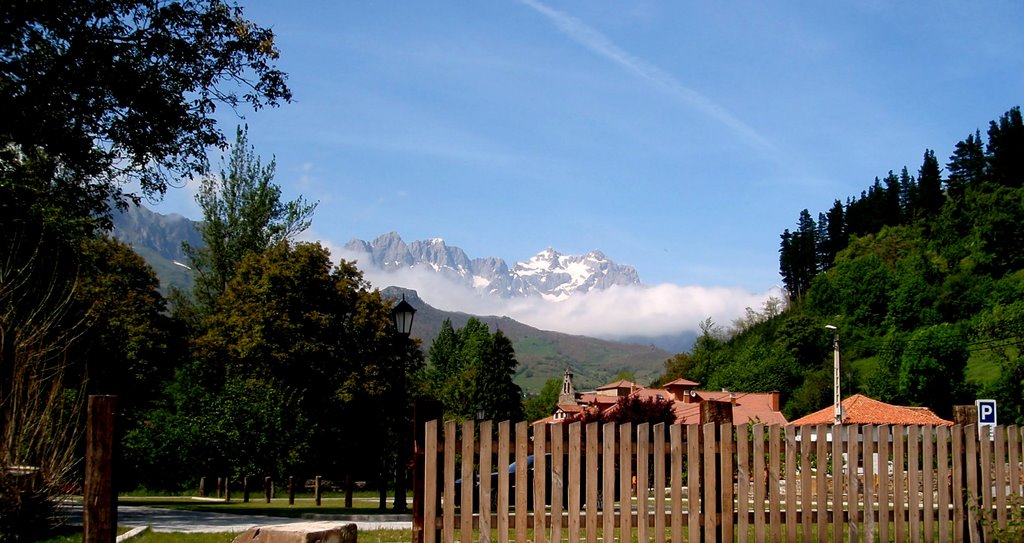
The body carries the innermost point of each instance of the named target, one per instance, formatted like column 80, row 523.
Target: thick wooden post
column 291, row 490
column 316, row 489
column 424, row 410
column 267, row 488
column 227, row 489
column 348, row 490
column 202, row 487
column 245, row 489
column 99, row 514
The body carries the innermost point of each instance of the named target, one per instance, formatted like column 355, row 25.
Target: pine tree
column 928, row 198
column 1006, row 149
column 966, row 167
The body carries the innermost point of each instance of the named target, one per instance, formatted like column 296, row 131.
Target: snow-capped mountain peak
column 549, row 273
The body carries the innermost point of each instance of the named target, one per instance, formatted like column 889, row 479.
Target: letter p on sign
column 986, row 412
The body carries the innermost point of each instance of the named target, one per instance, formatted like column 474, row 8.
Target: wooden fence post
column 316, row 489
column 348, row 490
column 245, row 489
column 227, row 489
column 267, row 488
column 291, row 490
column 99, row 512
column 424, row 409
column 202, row 487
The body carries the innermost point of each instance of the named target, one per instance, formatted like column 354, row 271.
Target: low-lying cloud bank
column 618, row 312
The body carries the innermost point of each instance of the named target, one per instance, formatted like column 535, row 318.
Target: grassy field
column 278, row 507
column 368, row 536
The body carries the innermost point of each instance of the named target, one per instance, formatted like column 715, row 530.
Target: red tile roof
column 682, row 382
column 747, row 407
column 859, row 409
column 622, row 383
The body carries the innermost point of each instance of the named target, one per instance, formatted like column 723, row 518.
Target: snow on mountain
column 548, row 274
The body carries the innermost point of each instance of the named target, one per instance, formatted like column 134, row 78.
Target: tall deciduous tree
column 107, row 91
column 932, row 368
column 242, row 213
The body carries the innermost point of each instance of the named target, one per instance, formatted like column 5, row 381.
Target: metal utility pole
column 836, row 372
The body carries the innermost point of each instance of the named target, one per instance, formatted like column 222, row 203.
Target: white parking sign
column 986, row 412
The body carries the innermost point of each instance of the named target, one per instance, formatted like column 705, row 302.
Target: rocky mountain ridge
column 548, row 274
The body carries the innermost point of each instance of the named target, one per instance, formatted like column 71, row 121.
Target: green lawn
column 370, row 536
column 364, row 504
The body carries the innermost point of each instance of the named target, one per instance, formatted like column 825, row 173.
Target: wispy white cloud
column 618, row 312
column 597, row 42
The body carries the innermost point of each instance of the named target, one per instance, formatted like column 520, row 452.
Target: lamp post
column 837, row 390
column 402, row 316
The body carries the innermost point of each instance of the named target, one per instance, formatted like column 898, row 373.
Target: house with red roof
column 859, row 409
column 687, row 402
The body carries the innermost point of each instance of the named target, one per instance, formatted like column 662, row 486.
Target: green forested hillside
column 923, row 275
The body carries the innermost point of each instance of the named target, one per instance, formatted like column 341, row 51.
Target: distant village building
column 746, row 407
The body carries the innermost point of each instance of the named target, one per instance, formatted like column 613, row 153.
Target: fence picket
column 504, row 428
column 430, row 483
column 557, row 480
column 884, row 449
column 870, row 476
column 659, row 483
column 943, row 479
column 958, row 479
column 838, row 497
column 1014, row 445
column 1013, row 435
column 710, row 484
column 774, row 475
column 484, row 498
column 1000, row 476
column 448, row 505
column 806, row 487
column 642, row 483
column 914, row 481
column 522, row 481
column 791, row 484
column 822, row 481
column 853, row 483
column 676, row 448
column 899, row 444
column 693, row 482
column 625, row 481
column 760, row 474
column 592, row 484
column 466, row 492
column 972, row 468
column 985, row 481
column 928, row 481
column 743, row 487
column 575, row 451
column 607, row 499
column 540, row 499
column 725, row 476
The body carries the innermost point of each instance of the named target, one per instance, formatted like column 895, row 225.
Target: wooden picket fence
column 719, row 483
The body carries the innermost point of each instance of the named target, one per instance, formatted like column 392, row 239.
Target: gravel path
column 174, row 520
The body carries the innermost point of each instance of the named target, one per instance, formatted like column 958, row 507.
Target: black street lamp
column 402, row 315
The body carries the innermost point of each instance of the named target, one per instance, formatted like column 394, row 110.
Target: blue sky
column 678, row 137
